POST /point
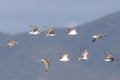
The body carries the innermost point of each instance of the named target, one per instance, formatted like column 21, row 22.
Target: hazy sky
column 16, row 15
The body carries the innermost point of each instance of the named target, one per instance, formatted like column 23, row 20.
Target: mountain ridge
column 20, row 62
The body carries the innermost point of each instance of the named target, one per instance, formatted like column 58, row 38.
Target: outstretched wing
column 46, row 63
column 84, row 52
column 70, row 28
column 110, row 55
column 50, row 30
column 34, row 28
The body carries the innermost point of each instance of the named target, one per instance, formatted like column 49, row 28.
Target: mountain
column 21, row 62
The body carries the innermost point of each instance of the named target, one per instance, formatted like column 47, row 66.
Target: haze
column 15, row 16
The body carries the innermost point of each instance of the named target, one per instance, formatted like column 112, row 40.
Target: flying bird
column 110, row 57
column 72, row 30
column 12, row 43
column 64, row 58
column 34, row 30
column 50, row 31
column 46, row 63
column 84, row 54
column 97, row 36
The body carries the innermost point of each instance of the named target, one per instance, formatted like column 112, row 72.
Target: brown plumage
column 34, row 28
column 110, row 56
column 46, row 63
column 97, row 36
column 12, row 43
column 50, row 31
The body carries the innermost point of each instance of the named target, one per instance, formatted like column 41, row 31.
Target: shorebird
column 12, row 43
column 110, row 57
column 64, row 58
column 35, row 30
column 46, row 63
column 50, row 31
column 84, row 54
column 97, row 36
column 72, row 30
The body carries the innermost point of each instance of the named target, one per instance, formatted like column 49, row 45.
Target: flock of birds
column 64, row 57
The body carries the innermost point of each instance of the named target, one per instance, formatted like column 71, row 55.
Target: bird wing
column 94, row 39
column 46, row 63
column 70, row 28
column 34, row 28
column 51, row 31
column 63, row 56
column 84, row 52
column 110, row 55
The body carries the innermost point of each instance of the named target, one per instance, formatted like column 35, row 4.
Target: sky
column 16, row 15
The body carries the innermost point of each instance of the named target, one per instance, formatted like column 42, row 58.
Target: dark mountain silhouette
column 21, row 62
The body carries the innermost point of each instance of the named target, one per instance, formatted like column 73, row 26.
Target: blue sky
column 16, row 15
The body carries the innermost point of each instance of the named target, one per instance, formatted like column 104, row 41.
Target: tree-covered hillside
column 21, row 62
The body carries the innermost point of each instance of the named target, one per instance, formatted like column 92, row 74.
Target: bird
column 12, row 43
column 50, row 31
column 84, row 54
column 46, row 63
column 110, row 57
column 97, row 36
column 35, row 30
column 64, row 58
column 72, row 30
